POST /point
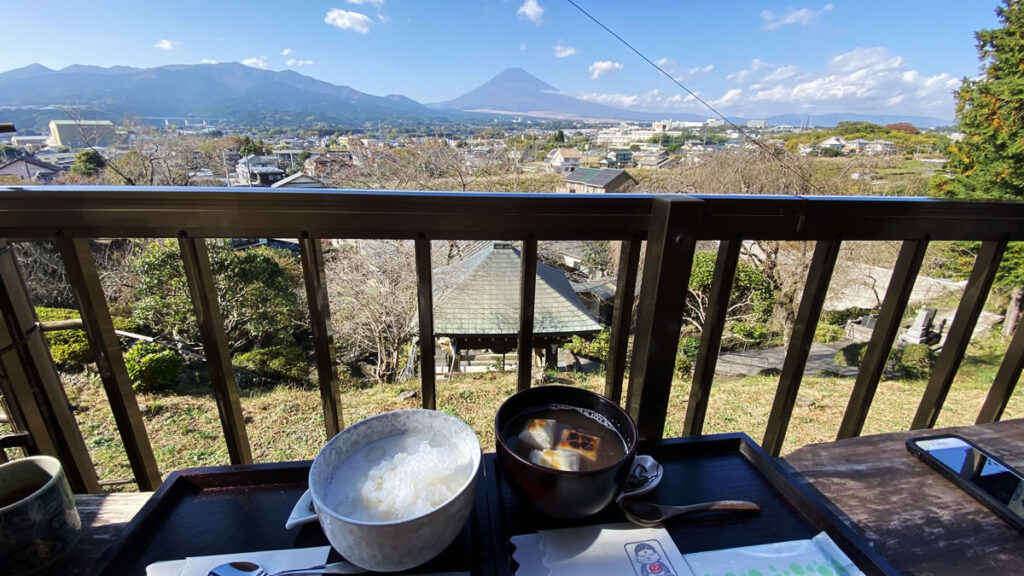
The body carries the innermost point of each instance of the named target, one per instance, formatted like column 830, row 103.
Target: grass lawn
column 285, row 423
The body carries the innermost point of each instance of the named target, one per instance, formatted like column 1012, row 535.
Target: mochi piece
column 557, row 459
column 539, row 434
column 583, row 444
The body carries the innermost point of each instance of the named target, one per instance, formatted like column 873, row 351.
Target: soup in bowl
column 568, row 450
column 393, row 491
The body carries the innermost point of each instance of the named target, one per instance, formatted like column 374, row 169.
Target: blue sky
column 749, row 58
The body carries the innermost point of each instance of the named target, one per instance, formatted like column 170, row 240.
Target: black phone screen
column 969, row 466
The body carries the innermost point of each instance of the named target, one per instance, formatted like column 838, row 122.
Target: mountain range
column 243, row 96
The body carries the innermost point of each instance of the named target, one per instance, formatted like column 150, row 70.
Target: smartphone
column 980, row 474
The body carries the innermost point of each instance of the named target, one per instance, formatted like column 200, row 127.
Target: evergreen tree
column 88, row 163
column 989, row 162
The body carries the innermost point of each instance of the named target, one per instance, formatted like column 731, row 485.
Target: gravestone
column 921, row 330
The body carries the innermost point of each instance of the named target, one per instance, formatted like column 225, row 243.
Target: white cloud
column 600, row 68
column 295, row 63
column 383, row 18
column 746, row 74
column 665, row 63
column 564, row 51
column 165, row 44
column 728, row 99
column 377, row 3
column 700, row 69
column 867, row 80
column 522, row 46
column 803, row 17
column 287, row 52
column 781, row 73
column 531, row 10
column 353, row 21
column 207, row 61
column 256, row 62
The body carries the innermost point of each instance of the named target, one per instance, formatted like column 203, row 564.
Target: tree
column 373, row 302
column 989, row 162
column 751, row 297
column 251, row 147
column 88, row 163
column 258, row 291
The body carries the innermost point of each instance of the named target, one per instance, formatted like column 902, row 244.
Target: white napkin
column 271, row 560
column 603, row 549
column 819, row 555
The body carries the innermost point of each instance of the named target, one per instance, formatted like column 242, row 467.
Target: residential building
column 563, row 160
column 617, row 158
column 30, row 142
column 82, row 133
column 833, row 142
column 651, row 158
column 298, row 180
column 597, row 180
column 31, row 169
column 258, row 170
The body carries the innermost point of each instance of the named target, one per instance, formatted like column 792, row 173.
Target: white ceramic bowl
column 401, row 544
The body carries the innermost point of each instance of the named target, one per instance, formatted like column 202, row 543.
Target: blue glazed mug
column 39, row 522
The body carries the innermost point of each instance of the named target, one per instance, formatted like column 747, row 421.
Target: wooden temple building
column 477, row 307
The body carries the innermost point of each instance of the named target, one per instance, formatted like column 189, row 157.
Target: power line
column 676, row 81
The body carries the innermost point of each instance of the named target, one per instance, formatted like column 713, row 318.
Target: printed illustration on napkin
column 649, row 559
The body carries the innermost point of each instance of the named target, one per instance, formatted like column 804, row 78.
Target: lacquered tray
column 721, row 467
column 202, row 511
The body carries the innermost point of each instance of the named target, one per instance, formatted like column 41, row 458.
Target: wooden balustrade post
column 196, row 258
column 622, row 317
column 959, row 335
column 822, row 264
column 425, row 308
column 901, row 284
column 711, row 336
column 312, row 255
column 99, row 328
column 31, row 385
column 527, row 295
column 671, row 243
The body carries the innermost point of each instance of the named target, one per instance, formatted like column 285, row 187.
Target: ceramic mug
column 39, row 522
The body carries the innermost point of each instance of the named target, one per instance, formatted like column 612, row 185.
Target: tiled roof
column 600, row 177
column 482, row 299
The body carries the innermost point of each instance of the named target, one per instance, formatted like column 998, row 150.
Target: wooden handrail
column 671, row 225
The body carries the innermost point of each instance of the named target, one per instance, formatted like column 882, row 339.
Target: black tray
column 203, row 511
column 720, row 467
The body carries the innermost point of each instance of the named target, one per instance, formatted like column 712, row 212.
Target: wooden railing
column 671, row 225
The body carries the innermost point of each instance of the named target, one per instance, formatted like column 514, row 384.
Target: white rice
column 400, row 477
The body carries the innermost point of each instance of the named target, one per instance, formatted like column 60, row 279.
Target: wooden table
column 103, row 518
column 921, row 522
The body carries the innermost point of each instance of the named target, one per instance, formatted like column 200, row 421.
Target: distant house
column 833, row 142
column 563, row 160
column 259, row 170
column 82, row 133
column 31, row 169
column 597, row 180
column 617, row 158
column 653, row 158
column 880, row 148
column 298, row 180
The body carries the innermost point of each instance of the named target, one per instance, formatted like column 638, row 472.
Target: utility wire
column 675, row 81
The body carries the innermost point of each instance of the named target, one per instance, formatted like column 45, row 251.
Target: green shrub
column 685, row 354
column 827, row 333
column 286, row 362
column 152, row 367
column 595, row 349
column 756, row 333
column 916, row 361
column 70, row 348
column 841, row 317
column 851, row 354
